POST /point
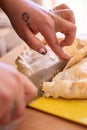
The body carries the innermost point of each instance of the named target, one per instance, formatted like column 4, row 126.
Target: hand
column 28, row 19
column 64, row 12
column 67, row 14
column 15, row 92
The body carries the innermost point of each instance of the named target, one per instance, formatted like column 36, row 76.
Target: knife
column 46, row 74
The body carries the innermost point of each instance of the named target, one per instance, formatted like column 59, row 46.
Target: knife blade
column 45, row 75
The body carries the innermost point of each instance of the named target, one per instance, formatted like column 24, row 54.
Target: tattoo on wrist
column 25, row 17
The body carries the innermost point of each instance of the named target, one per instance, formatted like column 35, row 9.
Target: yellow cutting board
column 74, row 110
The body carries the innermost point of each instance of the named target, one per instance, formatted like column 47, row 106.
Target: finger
column 7, row 96
column 29, row 89
column 51, row 39
column 65, row 12
column 18, row 108
column 62, row 6
column 69, row 34
column 67, row 28
column 68, row 40
column 14, row 112
column 5, row 119
column 9, row 113
column 63, row 25
column 5, row 116
column 3, row 106
column 34, row 43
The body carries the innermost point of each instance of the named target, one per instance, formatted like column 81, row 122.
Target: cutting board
column 73, row 110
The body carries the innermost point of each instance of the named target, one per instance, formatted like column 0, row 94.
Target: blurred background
column 9, row 39
column 79, row 8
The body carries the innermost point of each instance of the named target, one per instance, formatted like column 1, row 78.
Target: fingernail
column 43, row 51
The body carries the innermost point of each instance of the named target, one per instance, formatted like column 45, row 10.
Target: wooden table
column 34, row 119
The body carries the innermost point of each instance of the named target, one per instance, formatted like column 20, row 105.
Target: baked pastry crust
column 72, row 81
column 66, row 89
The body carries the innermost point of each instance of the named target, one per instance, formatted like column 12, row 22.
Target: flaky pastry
column 69, row 83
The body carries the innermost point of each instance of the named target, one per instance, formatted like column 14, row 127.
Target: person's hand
column 64, row 12
column 15, row 92
column 28, row 19
column 67, row 14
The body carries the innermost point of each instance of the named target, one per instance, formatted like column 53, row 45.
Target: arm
column 29, row 18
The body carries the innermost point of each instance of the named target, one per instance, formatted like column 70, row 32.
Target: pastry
column 69, row 83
